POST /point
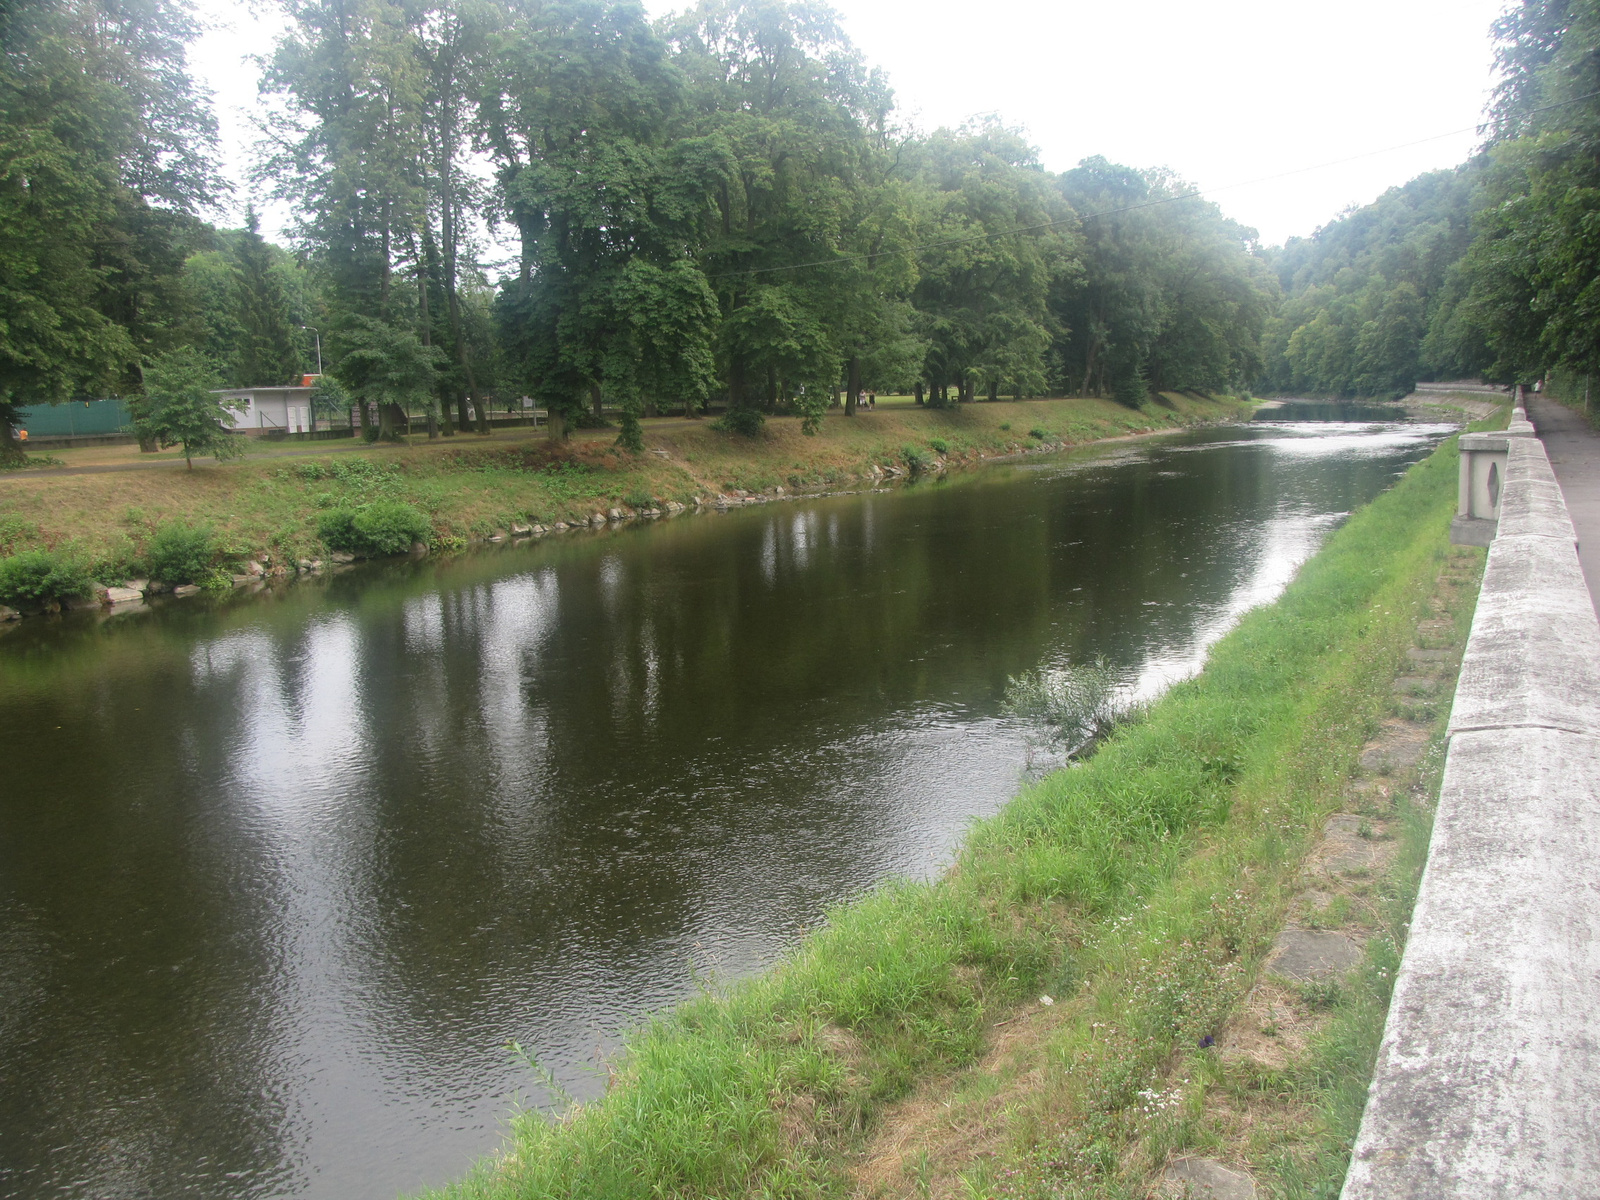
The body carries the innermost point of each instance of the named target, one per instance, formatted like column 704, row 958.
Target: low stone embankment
column 1488, row 1080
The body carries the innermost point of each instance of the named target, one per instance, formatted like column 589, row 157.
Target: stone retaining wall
column 1488, row 1079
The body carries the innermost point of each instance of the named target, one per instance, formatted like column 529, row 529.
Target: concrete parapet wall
column 1488, row 1079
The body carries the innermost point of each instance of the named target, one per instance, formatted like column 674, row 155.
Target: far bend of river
column 280, row 876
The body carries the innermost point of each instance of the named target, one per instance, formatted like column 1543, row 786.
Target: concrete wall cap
column 1527, row 460
column 1531, row 657
column 1488, row 1078
column 1535, row 508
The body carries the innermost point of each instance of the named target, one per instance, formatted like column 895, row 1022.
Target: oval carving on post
column 1494, row 488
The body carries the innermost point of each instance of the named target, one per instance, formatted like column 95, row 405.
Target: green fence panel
column 76, row 417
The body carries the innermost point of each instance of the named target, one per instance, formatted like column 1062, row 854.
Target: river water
column 281, row 875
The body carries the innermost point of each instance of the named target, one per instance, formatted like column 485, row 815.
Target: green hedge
column 178, row 553
column 38, row 578
column 376, row 529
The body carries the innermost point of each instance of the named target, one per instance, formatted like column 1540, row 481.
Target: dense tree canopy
column 1372, row 299
column 105, row 157
column 1491, row 268
column 1172, row 295
column 1534, row 271
column 719, row 206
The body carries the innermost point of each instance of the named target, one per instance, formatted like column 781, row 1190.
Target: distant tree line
column 1492, row 268
column 719, row 205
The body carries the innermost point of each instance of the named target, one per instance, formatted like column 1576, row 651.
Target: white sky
column 1225, row 93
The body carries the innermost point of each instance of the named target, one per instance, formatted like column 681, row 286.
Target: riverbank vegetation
column 1116, row 911
column 718, row 206
column 279, row 508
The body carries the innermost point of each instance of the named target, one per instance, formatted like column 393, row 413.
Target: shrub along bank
column 1137, row 892
column 283, row 506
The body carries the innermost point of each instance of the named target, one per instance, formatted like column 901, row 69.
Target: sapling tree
column 181, row 407
column 1074, row 707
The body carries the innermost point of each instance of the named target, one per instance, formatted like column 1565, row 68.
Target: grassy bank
column 470, row 488
column 1137, row 892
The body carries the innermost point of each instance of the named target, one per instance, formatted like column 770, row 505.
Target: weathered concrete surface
column 1534, row 655
column 1488, row 1079
column 1203, row 1179
column 1344, row 848
column 1471, row 531
column 1313, row 955
column 1488, row 1083
column 1533, row 507
column 1399, row 746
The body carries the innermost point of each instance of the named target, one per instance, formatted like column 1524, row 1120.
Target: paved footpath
column 1574, row 449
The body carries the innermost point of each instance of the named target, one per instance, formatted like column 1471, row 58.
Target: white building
column 287, row 409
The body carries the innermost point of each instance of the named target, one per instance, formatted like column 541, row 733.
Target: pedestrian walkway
column 1574, row 449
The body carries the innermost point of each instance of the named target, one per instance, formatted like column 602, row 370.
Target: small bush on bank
column 1039, row 435
column 336, row 528
column 940, row 446
column 916, row 461
column 746, row 421
column 121, row 560
column 376, row 529
column 36, row 578
column 178, row 553
column 1075, row 707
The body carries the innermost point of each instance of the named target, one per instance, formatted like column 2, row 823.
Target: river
column 281, row 875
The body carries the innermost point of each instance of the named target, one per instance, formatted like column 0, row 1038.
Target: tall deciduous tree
column 804, row 236
column 609, row 204
column 105, row 152
column 388, row 366
column 350, row 151
column 1001, row 237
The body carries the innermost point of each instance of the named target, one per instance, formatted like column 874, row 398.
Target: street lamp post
column 312, row 413
column 316, row 333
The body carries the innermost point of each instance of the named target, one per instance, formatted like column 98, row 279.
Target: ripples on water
column 280, row 877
